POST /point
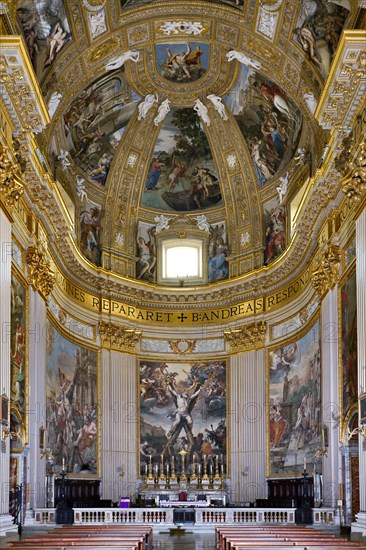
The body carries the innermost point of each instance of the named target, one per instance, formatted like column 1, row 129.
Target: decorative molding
column 182, row 347
column 355, row 187
column 118, row 337
column 41, row 276
column 327, row 276
column 11, row 186
column 182, row 28
column 247, row 338
column 346, row 84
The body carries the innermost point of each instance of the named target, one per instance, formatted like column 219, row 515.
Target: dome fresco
column 182, row 174
column 235, row 140
column 95, row 122
column 268, row 120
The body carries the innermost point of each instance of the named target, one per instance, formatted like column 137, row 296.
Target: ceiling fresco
column 318, row 29
column 135, row 3
column 182, row 174
column 268, row 120
column 95, row 122
column 238, row 136
column 182, row 62
column 46, row 30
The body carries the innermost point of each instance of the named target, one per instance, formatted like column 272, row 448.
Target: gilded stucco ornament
column 40, row 274
column 326, row 276
column 247, row 338
column 355, row 187
column 11, row 186
column 118, row 337
column 182, row 347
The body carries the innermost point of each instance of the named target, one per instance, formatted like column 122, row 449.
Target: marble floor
column 190, row 538
column 186, row 537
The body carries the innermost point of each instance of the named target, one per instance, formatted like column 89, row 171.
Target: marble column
column 119, row 446
column 37, row 397
column 247, row 426
column 359, row 526
column 332, row 474
column 5, row 292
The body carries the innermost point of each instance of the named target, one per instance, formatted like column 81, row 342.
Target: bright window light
column 182, row 260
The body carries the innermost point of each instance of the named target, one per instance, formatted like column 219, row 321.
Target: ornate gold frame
column 225, row 358
column 23, row 281
column 78, row 342
column 297, row 336
column 350, row 271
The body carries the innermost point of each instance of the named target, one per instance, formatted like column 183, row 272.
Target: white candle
column 63, row 463
column 304, row 463
column 222, row 468
column 146, row 469
column 199, row 468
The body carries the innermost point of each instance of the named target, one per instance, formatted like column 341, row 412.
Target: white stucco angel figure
column 202, row 111
column 145, row 106
column 63, row 157
column 202, row 223
column 282, row 187
column 311, row 102
column 242, row 58
column 117, row 62
column 218, row 104
column 162, row 222
column 301, row 156
column 80, row 189
column 54, row 103
column 163, row 110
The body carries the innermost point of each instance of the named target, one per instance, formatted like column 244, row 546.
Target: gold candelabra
column 183, row 454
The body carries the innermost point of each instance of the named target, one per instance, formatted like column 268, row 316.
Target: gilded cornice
column 11, row 185
column 246, row 338
column 326, row 276
column 346, row 83
column 118, row 337
column 20, row 90
column 40, row 275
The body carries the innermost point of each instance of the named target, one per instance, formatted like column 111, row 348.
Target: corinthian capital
column 40, row 274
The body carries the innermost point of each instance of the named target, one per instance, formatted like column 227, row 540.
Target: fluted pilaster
column 360, row 524
column 247, row 425
column 5, row 285
column 331, row 464
column 118, row 425
column 37, row 397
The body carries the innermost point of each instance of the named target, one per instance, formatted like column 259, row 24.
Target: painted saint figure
column 154, row 174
